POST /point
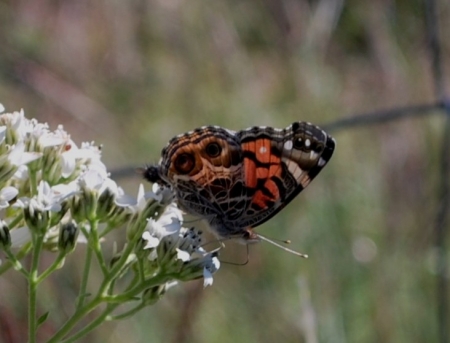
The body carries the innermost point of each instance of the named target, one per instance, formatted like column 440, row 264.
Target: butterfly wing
column 204, row 168
column 278, row 165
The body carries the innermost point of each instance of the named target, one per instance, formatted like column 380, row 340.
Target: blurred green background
column 132, row 74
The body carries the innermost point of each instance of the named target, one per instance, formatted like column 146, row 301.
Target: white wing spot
column 288, row 145
column 262, row 150
column 321, row 162
column 293, row 168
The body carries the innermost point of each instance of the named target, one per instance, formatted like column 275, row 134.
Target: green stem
column 55, row 265
column 33, row 182
column 98, row 300
column 129, row 312
column 21, row 254
column 95, row 245
column 93, row 324
column 16, row 263
column 107, row 230
column 118, row 265
column 85, row 278
column 77, row 316
column 133, row 292
column 13, row 223
column 32, row 289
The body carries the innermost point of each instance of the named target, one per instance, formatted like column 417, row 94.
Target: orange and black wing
column 278, row 165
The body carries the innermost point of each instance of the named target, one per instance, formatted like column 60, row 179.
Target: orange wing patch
column 261, row 149
column 249, row 166
column 262, row 199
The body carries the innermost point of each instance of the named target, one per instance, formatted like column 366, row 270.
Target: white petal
column 208, row 278
column 152, row 242
column 44, row 189
column 153, row 255
column 68, row 165
column 125, row 201
column 48, row 140
column 183, row 255
column 2, row 108
column 8, row 193
column 17, row 156
column 92, row 179
column 2, row 133
column 21, row 173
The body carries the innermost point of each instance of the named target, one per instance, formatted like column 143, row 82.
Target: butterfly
column 237, row 180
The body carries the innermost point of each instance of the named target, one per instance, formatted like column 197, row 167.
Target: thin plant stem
column 13, row 223
column 32, row 289
column 94, row 243
column 129, row 312
column 55, row 265
column 33, row 183
column 16, row 263
column 85, row 278
column 113, row 300
column 93, row 324
column 21, row 254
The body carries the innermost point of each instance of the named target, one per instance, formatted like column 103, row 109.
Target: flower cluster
column 55, row 194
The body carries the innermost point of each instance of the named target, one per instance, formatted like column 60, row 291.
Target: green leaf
column 42, row 318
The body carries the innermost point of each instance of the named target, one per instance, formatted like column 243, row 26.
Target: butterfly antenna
column 281, row 246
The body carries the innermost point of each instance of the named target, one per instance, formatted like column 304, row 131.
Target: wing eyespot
column 213, row 149
column 184, row 163
column 299, row 143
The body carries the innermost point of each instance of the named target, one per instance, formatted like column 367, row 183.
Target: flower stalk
column 56, row 196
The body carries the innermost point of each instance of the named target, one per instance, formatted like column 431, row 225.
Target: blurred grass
column 133, row 74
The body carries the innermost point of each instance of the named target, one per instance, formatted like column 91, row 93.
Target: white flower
column 209, row 270
column 92, row 180
column 88, row 156
column 6, row 195
column 169, row 223
column 135, row 204
column 183, row 255
column 45, row 200
column 55, row 138
column 210, row 263
column 21, row 173
column 17, row 155
column 15, row 121
column 152, row 241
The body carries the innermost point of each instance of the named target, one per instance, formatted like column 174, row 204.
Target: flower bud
column 36, row 217
column 5, row 236
column 106, row 204
column 68, row 235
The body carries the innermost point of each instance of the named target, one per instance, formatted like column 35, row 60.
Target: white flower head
column 169, row 223
column 18, row 156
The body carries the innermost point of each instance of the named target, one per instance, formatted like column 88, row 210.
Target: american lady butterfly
column 239, row 180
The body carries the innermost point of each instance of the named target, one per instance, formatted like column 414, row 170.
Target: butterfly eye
column 184, row 163
column 213, row 149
